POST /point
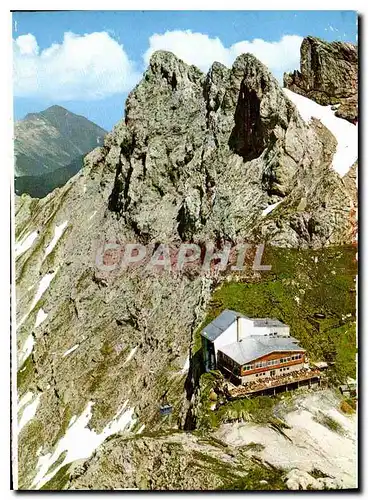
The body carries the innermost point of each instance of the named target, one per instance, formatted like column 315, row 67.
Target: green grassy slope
column 301, row 284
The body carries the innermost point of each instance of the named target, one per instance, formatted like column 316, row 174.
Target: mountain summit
column 48, row 141
column 203, row 155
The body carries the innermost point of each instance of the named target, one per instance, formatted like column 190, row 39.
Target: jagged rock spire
column 203, row 154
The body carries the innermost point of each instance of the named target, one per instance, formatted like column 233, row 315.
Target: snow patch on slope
column 57, row 235
column 130, row 355
column 269, row 209
column 186, row 366
column 25, row 244
column 27, row 349
column 42, row 287
column 41, row 316
column 27, row 408
column 345, row 132
column 70, row 350
column 25, row 400
column 79, row 441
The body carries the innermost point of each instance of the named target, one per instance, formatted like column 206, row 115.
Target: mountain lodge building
column 250, row 349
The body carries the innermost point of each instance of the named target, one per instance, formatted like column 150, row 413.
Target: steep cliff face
column 202, row 157
column 328, row 75
column 197, row 157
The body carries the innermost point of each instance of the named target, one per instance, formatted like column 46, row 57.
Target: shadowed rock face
column 328, row 75
column 247, row 138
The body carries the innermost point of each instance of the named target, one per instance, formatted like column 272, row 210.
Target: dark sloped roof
column 227, row 317
column 220, row 324
column 255, row 346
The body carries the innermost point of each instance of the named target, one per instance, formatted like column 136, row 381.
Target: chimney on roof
column 238, row 329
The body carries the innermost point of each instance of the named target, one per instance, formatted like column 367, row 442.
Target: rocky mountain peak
column 261, row 106
column 328, row 75
column 201, row 155
column 51, row 140
column 56, row 109
column 166, row 65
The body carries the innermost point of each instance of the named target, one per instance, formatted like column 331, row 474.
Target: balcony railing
column 276, row 381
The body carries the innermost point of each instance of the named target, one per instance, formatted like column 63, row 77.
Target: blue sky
column 91, row 69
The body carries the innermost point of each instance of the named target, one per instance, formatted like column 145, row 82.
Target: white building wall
column 246, row 327
column 227, row 337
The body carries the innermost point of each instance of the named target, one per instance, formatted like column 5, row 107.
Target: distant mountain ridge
column 39, row 186
column 51, row 140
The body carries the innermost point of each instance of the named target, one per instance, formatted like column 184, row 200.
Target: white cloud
column 193, row 48
column 280, row 56
column 201, row 50
column 90, row 66
column 95, row 65
column 27, row 44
